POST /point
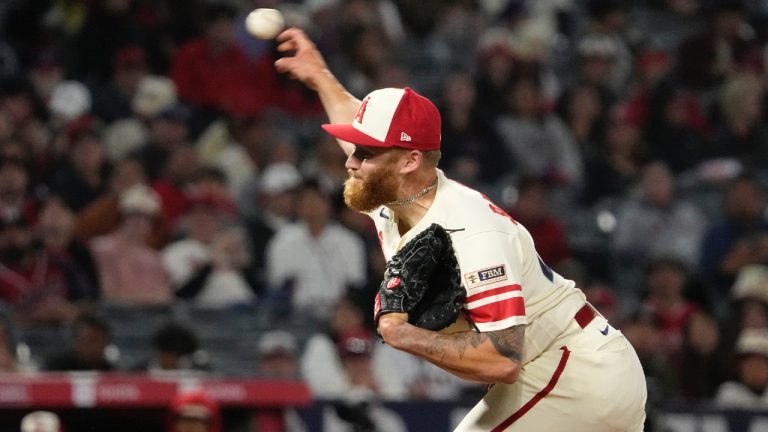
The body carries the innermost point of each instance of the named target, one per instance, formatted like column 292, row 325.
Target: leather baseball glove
column 423, row 280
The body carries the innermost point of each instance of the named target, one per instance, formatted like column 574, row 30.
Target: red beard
column 366, row 195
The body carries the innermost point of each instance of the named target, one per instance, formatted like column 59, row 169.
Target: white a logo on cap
column 404, row 137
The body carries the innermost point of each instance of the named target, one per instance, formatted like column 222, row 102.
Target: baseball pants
column 589, row 381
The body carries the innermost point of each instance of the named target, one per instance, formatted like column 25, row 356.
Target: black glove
column 423, row 280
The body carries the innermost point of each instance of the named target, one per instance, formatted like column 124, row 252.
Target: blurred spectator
column 212, row 72
column 182, row 169
column 131, row 271
column 102, row 216
column 168, row 131
column 540, row 144
column 666, row 281
column 15, row 201
column 314, row 261
column 321, row 362
column 175, row 347
column 597, row 65
column 723, row 47
column 278, row 358
column 55, row 232
column 748, row 388
column 617, row 164
column 194, row 411
column 277, row 200
column 609, row 21
column 741, row 238
column 532, row 210
column 582, row 109
column 654, row 222
column 223, row 278
column 676, row 129
column 30, row 281
column 46, row 73
column 357, row 408
column 645, row 334
column 750, row 296
column 744, row 131
column 470, row 150
column 108, row 27
column 278, row 355
column 41, row 421
column 88, row 352
column 113, row 101
column 702, row 363
column 82, row 176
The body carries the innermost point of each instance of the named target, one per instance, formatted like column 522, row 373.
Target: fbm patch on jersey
column 485, row 276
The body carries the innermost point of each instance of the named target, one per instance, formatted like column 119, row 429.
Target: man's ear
column 411, row 161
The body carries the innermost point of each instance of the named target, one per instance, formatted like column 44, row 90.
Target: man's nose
column 352, row 162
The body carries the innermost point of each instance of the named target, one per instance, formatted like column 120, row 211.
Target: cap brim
column 348, row 133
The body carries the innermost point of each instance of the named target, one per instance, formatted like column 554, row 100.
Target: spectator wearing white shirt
column 749, row 389
column 315, row 260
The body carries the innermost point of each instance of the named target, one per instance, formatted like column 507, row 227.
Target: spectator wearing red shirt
column 212, row 72
column 29, row 279
column 531, row 209
column 666, row 280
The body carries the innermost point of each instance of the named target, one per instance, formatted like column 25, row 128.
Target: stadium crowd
column 152, row 159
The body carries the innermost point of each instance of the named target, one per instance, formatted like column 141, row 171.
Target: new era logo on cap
column 392, row 117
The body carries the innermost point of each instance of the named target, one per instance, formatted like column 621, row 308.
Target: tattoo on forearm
column 509, row 342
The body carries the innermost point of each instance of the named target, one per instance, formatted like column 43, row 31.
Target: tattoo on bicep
column 509, row 342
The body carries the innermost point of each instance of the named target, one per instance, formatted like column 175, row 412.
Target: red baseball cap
column 392, row 117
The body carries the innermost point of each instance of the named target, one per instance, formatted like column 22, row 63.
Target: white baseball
column 264, row 23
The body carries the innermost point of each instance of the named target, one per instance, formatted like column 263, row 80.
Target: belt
column 585, row 315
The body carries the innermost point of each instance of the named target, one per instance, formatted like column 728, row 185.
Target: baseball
column 264, row 23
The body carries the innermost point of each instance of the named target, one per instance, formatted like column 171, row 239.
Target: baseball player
column 552, row 361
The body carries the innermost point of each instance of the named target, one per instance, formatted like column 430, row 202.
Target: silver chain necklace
column 413, row 198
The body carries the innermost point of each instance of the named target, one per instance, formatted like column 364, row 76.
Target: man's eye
column 362, row 154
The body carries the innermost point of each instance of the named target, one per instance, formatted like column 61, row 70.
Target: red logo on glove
column 393, row 283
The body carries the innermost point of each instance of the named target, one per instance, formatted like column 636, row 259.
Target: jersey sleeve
column 491, row 275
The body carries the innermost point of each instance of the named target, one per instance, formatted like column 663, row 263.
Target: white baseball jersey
column 507, row 283
column 576, row 377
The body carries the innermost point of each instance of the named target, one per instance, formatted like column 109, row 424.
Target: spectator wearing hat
column 748, row 388
column 130, row 271
column 83, row 174
column 278, row 352
column 30, row 281
column 358, row 407
column 102, row 216
column 315, row 261
column 194, row 411
column 276, row 196
column 46, row 73
column 181, row 172
column 113, row 100
column 41, row 421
